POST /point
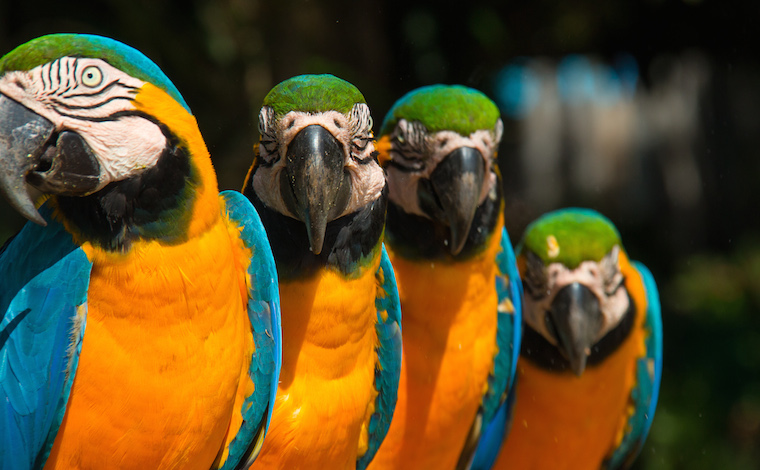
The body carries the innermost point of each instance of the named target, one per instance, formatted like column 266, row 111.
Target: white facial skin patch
column 603, row 278
column 353, row 131
column 95, row 100
column 419, row 153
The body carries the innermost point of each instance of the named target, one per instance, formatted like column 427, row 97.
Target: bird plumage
column 158, row 295
column 457, row 278
column 591, row 359
column 322, row 198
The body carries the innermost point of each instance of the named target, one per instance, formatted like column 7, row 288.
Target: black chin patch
column 153, row 204
column 416, row 237
column 536, row 349
column 348, row 239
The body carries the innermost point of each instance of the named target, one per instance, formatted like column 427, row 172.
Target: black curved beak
column 577, row 318
column 453, row 193
column 23, row 134
column 314, row 185
column 31, row 153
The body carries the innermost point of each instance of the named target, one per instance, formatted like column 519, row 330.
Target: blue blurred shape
column 517, row 88
column 575, row 79
column 628, row 70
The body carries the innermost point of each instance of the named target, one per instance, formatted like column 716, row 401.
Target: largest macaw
column 591, row 360
column 140, row 313
column 458, row 281
column 321, row 194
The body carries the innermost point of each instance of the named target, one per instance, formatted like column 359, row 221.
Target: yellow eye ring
column 92, row 76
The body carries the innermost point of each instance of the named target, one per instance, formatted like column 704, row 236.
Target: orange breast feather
column 326, row 393
column 449, row 321
column 561, row 421
column 165, row 342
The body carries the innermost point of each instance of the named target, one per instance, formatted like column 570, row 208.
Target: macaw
column 591, row 359
column 140, row 314
column 458, row 281
column 321, row 194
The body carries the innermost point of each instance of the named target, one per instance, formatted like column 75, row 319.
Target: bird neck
column 350, row 245
column 536, row 349
column 172, row 201
column 416, row 237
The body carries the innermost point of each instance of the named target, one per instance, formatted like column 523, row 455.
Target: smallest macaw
column 591, row 359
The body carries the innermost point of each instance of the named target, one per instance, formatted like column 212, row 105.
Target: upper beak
column 577, row 319
column 314, row 186
column 30, row 153
column 454, row 192
column 23, row 134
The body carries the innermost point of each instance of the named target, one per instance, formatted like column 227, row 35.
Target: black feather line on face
column 372, row 157
column 536, row 349
column 60, row 104
column 49, row 83
column 150, row 205
column 110, row 85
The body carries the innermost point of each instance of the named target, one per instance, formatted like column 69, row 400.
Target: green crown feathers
column 313, row 94
column 48, row 48
column 570, row 236
column 443, row 107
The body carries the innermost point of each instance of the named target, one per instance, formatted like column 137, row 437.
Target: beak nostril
column 44, row 166
column 45, row 163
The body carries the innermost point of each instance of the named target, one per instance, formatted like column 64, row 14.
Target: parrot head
column 316, row 159
column 574, row 287
column 98, row 127
column 439, row 144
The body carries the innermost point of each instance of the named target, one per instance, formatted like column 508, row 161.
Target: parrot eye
column 610, row 271
column 498, row 132
column 92, row 76
column 408, row 145
column 270, row 146
column 534, row 280
column 360, row 143
column 612, row 286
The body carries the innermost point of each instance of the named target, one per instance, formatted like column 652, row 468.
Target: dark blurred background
column 648, row 111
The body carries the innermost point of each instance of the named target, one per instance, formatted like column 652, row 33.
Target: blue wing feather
column 264, row 315
column 648, row 375
column 495, row 408
column 388, row 369
column 45, row 277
